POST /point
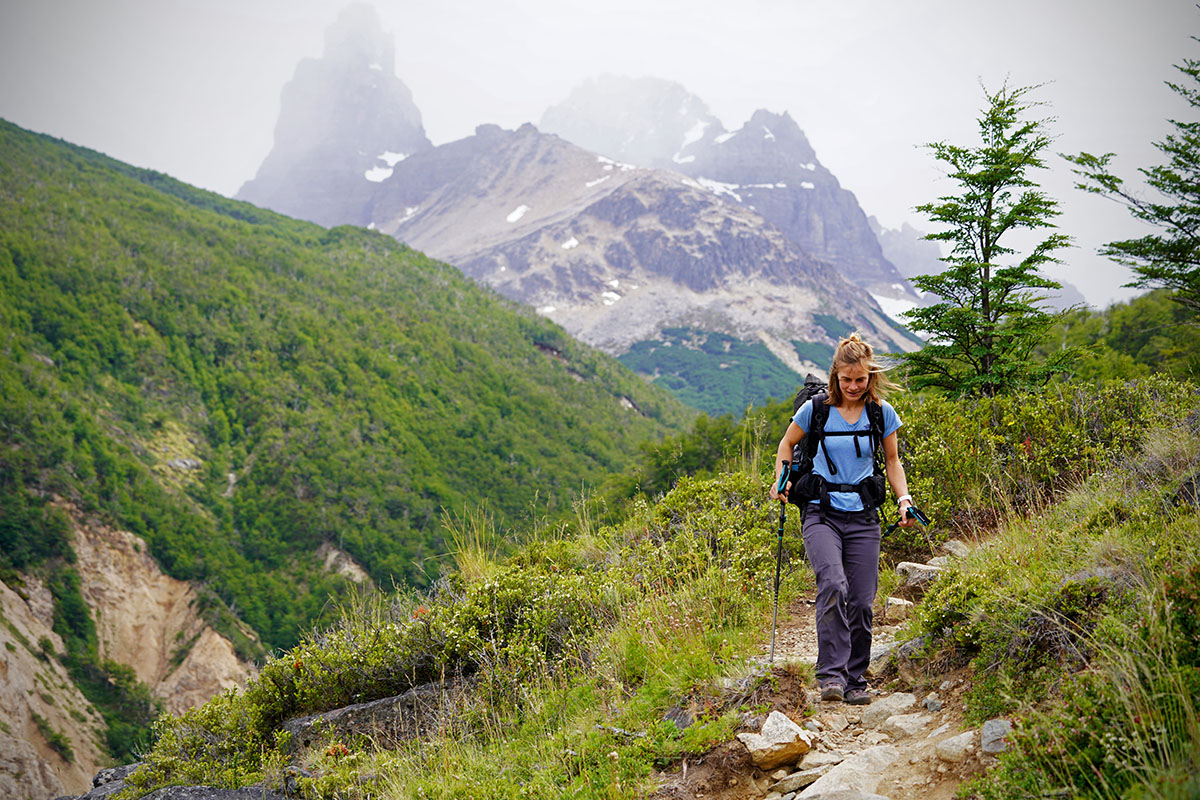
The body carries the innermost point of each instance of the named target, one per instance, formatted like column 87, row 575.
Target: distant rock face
column 344, row 122
column 908, row 249
column 613, row 252
column 767, row 165
column 913, row 255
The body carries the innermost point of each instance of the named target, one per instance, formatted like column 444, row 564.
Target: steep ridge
column 33, row 686
column 767, row 165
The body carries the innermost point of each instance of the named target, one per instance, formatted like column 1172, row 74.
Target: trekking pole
column 783, row 478
column 913, row 512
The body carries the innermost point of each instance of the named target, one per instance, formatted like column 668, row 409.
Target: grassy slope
column 579, row 644
column 352, row 387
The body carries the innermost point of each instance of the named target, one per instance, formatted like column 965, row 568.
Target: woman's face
column 854, row 380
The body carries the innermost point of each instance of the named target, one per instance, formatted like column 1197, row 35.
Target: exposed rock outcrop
column 148, row 620
column 143, row 618
column 34, row 685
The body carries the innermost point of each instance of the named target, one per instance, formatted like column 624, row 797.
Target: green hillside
column 578, row 653
column 237, row 388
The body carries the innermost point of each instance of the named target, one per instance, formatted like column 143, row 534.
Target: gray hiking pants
column 844, row 553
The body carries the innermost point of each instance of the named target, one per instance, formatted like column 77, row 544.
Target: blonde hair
column 853, row 350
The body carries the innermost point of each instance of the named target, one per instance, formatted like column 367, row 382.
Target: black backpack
column 807, row 485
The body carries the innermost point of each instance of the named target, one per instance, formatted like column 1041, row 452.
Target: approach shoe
column 833, row 692
column 858, row 697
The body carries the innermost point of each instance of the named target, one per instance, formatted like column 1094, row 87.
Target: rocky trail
column 910, row 743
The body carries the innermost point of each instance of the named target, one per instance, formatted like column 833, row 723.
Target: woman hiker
column 840, row 519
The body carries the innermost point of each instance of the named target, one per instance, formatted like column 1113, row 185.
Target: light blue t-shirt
column 851, row 467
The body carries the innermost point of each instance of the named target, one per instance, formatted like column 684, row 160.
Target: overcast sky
column 191, row 87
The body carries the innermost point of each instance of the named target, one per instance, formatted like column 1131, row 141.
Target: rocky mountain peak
column 345, row 121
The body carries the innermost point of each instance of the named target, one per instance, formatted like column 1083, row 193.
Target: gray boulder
column 993, row 736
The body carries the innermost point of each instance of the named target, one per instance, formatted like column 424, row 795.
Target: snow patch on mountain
column 378, row 174
column 517, row 213
column 719, row 188
column 894, row 307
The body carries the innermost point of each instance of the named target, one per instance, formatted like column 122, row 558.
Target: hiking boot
column 858, row 697
column 833, row 692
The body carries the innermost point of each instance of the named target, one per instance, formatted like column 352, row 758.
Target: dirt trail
column 726, row 772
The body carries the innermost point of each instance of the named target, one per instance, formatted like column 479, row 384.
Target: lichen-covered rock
column 993, row 737
column 404, row 716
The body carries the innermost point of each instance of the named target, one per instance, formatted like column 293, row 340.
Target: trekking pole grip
column 783, row 478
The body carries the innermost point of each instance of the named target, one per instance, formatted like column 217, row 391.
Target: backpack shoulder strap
column 875, row 421
column 820, row 415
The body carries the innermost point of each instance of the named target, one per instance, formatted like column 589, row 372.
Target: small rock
column 993, row 736
column 798, row 780
column 813, row 725
column 880, row 655
column 781, row 742
column 939, row 561
column 932, row 702
column 938, row 731
column 902, row 725
column 837, row 722
column 875, row 737
column 681, row 716
column 897, row 608
column 887, row 706
column 946, row 686
column 917, row 575
column 779, row 775
column 955, row 748
column 956, row 548
column 814, row 759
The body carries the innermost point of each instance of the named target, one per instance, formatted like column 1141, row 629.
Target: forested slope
column 237, row 387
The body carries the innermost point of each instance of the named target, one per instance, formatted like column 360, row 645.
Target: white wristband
column 907, row 497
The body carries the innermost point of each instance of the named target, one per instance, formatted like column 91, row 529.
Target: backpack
column 806, row 484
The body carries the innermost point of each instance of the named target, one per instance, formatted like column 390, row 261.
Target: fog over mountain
column 351, row 94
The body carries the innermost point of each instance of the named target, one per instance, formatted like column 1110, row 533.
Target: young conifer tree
column 1169, row 260
column 983, row 332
